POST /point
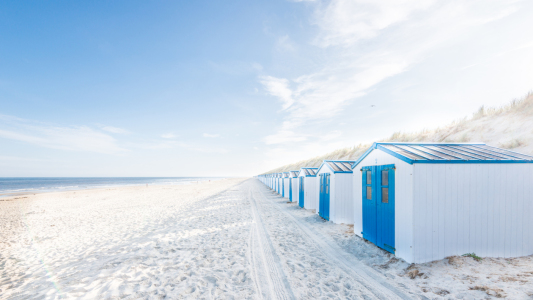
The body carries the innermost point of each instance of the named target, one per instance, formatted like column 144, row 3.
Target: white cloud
column 285, row 44
column 278, row 87
column 363, row 43
column 332, row 135
column 169, row 136
column 209, row 150
column 345, row 22
column 114, row 129
column 257, row 66
column 208, row 135
column 74, row 138
column 284, row 136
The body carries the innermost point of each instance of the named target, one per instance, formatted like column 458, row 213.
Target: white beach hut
column 280, row 183
column 425, row 202
column 286, row 184
column 335, row 192
column 293, row 190
column 307, row 188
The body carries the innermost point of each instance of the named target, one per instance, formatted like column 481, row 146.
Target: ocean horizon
column 22, row 185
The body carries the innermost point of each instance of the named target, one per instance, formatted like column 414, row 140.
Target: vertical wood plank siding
column 464, row 208
column 341, row 196
column 295, row 189
column 310, row 192
column 287, row 181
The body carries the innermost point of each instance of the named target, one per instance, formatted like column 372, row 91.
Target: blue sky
column 230, row 88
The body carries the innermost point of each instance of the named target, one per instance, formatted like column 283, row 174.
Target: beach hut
column 286, row 184
column 279, row 180
column 307, row 188
column 293, row 190
column 425, row 202
column 335, row 193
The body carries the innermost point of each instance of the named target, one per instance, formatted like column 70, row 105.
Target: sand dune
column 509, row 126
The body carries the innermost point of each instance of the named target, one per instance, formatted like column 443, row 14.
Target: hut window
column 384, row 177
column 368, row 177
column 385, row 195
column 369, row 192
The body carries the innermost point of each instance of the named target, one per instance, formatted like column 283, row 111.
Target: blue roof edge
column 374, row 145
column 307, row 168
column 377, row 146
column 410, row 161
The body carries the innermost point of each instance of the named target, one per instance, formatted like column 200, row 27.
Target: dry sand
column 227, row 239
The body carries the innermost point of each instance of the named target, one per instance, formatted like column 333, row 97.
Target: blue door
column 323, row 209
column 282, row 187
column 301, row 195
column 378, row 206
column 290, row 189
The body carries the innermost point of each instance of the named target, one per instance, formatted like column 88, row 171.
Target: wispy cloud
column 208, row 135
column 279, row 87
column 114, row 129
column 169, row 136
column 345, row 22
column 363, row 43
column 74, row 138
column 284, row 136
column 285, row 44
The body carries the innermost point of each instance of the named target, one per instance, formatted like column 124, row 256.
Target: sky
column 236, row 88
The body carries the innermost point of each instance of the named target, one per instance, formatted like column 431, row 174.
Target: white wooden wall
column 286, row 187
column 482, row 208
column 340, row 198
column 341, row 202
column 295, row 189
column 311, row 192
column 403, row 200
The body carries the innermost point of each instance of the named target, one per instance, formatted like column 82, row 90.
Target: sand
column 227, row 239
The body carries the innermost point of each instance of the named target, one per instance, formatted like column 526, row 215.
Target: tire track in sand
column 361, row 273
column 270, row 280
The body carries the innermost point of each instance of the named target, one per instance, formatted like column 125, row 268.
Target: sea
column 25, row 185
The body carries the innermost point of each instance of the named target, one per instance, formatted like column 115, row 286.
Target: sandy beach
column 225, row 239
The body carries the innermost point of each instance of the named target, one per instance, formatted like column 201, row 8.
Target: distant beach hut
column 307, row 188
column 335, row 193
column 293, row 190
column 425, row 202
column 286, row 184
column 279, row 182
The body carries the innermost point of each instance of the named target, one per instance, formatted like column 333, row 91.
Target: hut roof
column 448, row 153
column 308, row 171
column 338, row 166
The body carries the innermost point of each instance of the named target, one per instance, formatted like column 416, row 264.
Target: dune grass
column 508, row 126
